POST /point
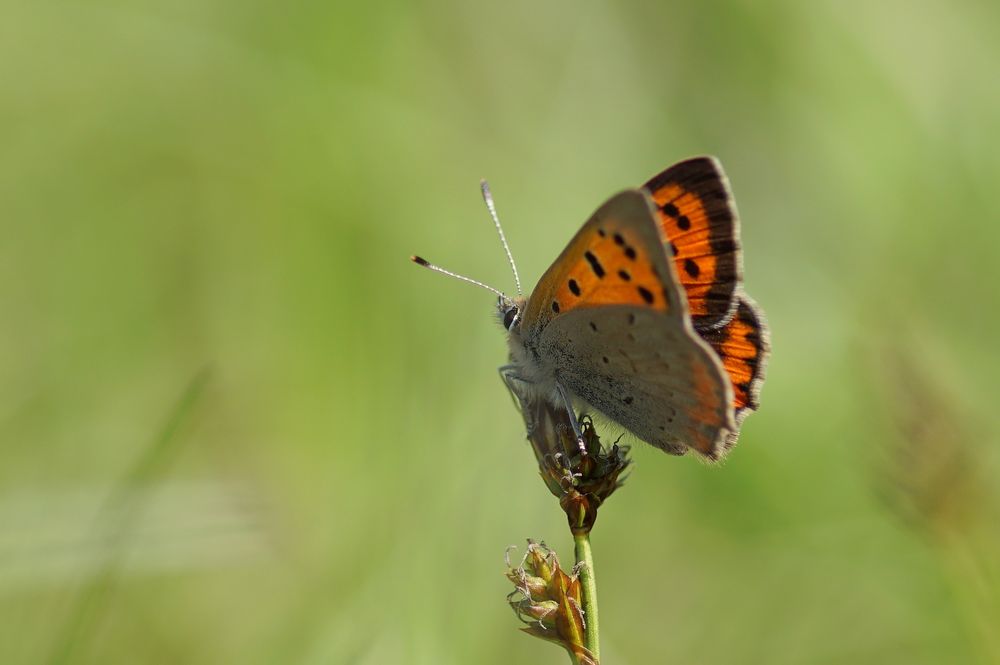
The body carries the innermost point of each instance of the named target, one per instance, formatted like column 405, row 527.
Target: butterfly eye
column 509, row 316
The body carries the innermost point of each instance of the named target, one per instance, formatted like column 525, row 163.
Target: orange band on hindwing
column 743, row 345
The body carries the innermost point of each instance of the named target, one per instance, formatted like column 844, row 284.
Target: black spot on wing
column 595, row 265
column 691, row 267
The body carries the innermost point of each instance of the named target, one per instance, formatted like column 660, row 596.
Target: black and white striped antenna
column 488, row 197
column 491, row 207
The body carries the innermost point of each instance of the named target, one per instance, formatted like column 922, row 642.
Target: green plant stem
column 588, row 585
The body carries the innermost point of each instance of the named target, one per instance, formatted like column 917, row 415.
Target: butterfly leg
column 518, row 388
column 577, row 430
column 516, row 385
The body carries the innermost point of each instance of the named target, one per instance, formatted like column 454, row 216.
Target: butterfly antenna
column 488, row 197
column 430, row 266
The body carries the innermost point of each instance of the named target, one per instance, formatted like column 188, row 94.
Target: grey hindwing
column 645, row 371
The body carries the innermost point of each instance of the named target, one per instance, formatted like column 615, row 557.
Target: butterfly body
column 643, row 318
column 608, row 326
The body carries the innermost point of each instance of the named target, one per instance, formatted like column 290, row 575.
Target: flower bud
column 548, row 601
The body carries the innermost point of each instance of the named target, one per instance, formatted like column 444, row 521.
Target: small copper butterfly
column 643, row 317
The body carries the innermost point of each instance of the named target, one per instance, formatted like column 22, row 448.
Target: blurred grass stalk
column 91, row 600
column 931, row 479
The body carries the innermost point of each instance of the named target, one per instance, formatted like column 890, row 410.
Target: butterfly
column 643, row 317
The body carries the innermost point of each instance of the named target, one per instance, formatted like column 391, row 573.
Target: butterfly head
column 509, row 312
column 508, row 309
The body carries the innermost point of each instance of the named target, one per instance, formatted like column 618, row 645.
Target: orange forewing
column 698, row 218
column 743, row 345
column 617, row 258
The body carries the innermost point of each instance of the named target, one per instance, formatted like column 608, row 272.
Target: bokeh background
column 238, row 426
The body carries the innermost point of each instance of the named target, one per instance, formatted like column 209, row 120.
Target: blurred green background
column 238, row 426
